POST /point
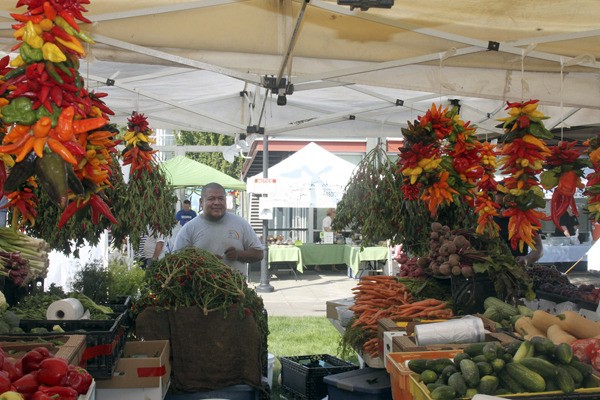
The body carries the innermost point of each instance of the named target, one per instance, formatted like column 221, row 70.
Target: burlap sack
column 152, row 325
column 212, row 352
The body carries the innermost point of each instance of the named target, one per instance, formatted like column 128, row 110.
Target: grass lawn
column 298, row 336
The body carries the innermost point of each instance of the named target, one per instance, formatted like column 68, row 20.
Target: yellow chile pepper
column 32, row 37
column 18, row 34
column 17, row 61
column 52, row 53
column 71, row 45
column 46, row 24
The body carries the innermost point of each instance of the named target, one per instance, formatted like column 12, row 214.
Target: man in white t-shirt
column 228, row 236
column 153, row 247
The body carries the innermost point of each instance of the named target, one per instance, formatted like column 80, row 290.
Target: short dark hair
column 212, row 185
column 186, row 201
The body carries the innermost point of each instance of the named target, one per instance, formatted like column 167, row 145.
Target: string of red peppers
column 563, row 170
column 47, row 108
column 592, row 189
column 485, row 206
column 138, row 152
column 523, row 152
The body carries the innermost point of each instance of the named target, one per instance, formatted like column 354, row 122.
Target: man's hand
column 230, row 254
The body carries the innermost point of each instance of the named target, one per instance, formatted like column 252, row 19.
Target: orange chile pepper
column 57, row 147
column 16, row 132
column 25, row 149
column 15, row 147
column 64, row 126
column 42, row 127
column 49, row 11
column 38, row 146
column 88, row 124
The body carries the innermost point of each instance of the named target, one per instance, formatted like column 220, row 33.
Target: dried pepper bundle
column 487, row 186
column 592, row 189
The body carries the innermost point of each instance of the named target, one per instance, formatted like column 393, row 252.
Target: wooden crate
column 71, row 350
column 407, row 343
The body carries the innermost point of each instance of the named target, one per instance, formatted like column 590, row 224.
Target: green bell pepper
column 30, row 54
column 19, row 111
column 43, row 112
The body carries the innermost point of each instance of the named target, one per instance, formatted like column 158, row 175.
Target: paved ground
column 305, row 296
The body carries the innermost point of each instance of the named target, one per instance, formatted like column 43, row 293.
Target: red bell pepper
column 31, row 361
column 79, row 379
column 53, row 371
column 4, row 382
column 27, row 385
column 43, row 351
column 12, row 368
column 55, row 392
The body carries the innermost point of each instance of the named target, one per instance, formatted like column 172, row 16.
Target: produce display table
column 286, row 254
column 353, row 256
column 322, row 254
column 565, row 255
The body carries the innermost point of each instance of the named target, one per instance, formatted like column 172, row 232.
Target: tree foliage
column 212, row 159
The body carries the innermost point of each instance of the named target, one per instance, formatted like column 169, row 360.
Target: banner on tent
column 309, row 194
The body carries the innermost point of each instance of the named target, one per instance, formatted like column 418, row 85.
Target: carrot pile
column 382, row 296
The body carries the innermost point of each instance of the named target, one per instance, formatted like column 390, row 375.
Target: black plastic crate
column 302, row 376
column 120, row 304
column 105, row 340
column 468, row 294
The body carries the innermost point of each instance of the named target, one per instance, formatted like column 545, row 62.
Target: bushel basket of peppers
column 41, row 376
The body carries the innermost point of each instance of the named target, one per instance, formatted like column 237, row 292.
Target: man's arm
column 536, row 254
column 157, row 250
column 247, row 256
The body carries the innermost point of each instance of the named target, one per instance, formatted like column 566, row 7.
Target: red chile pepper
column 79, row 379
column 69, row 211
column 4, row 62
column 99, row 204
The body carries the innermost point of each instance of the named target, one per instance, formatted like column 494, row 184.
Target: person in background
column 524, row 257
column 228, row 236
column 326, row 226
column 569, row 225
column 186, row 213
column 153, row 247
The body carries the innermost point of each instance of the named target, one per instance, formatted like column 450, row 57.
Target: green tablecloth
column 353, row 255
column 289, row 254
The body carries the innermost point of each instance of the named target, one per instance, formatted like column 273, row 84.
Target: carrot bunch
column 381, row 296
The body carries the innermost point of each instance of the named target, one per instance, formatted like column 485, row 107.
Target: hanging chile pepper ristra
column 48, row 111
column 592, row 188
column 523, row 152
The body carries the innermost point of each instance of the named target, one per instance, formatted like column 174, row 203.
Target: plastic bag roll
column 468, row 329
column 65, row 309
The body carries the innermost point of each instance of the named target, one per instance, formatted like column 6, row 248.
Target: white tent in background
column 310, row 178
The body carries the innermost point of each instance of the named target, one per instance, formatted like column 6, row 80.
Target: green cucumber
column 545, row 368
column 443, row 392
column 457, row 381
column 530, row 380
column 490, row 351
column 590, row 382
column 488, row 384
column 479, row 358
column 575, row 374
column 563, row 353
column 564, row 379
column 504, row 307
column 512, row 348
column 484, row 368
column 509, row 382
column 543, row 345
column 432, row 386
column 585, row 369
column 429, row 376
column 474, row 349
column 438, row 364
column 498, row 364
column 470, row 372
column 459, row 357
column 448, row 371
column 525, row 350
column 418, row 365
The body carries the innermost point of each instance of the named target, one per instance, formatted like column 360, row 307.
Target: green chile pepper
column 30, row 54
column 19, row 111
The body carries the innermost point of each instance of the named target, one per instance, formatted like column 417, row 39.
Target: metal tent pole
column 265, row 286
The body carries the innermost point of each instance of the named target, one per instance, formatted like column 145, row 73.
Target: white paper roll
column 468, row 329
column 65, row 309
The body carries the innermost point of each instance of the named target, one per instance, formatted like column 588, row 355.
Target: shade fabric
column 185, row 172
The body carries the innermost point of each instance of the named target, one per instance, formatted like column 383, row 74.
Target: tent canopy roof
column 185, row 172
column 201, row 64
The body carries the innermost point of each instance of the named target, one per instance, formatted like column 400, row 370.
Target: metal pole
column 264, row 265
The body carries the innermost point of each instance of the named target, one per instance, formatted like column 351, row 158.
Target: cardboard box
column 91, row 393
column 143, row 372
column 388, row 341
column 332, row 304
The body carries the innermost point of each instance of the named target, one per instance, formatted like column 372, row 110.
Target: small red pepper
column 53, row 371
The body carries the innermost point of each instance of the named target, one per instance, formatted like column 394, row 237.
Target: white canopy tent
column 310, row 178
column 213, row 65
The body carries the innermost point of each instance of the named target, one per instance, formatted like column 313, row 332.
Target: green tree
column 213, row 159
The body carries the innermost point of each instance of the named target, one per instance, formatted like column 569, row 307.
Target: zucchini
column 488, row 384
column 457, row 381
column 504, row 307
column 563, row 353
column 509, row 382
column 526, row 349
column 470, row 372
column 530, row 380
column 564, row 380
column 417, row 366
column 545, row 368
column 438, row 364
column 443, row 392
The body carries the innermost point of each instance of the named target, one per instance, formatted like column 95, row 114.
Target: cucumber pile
column 535, row 365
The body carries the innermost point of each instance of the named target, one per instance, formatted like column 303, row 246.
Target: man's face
column 214, row 204
column 186, row 206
